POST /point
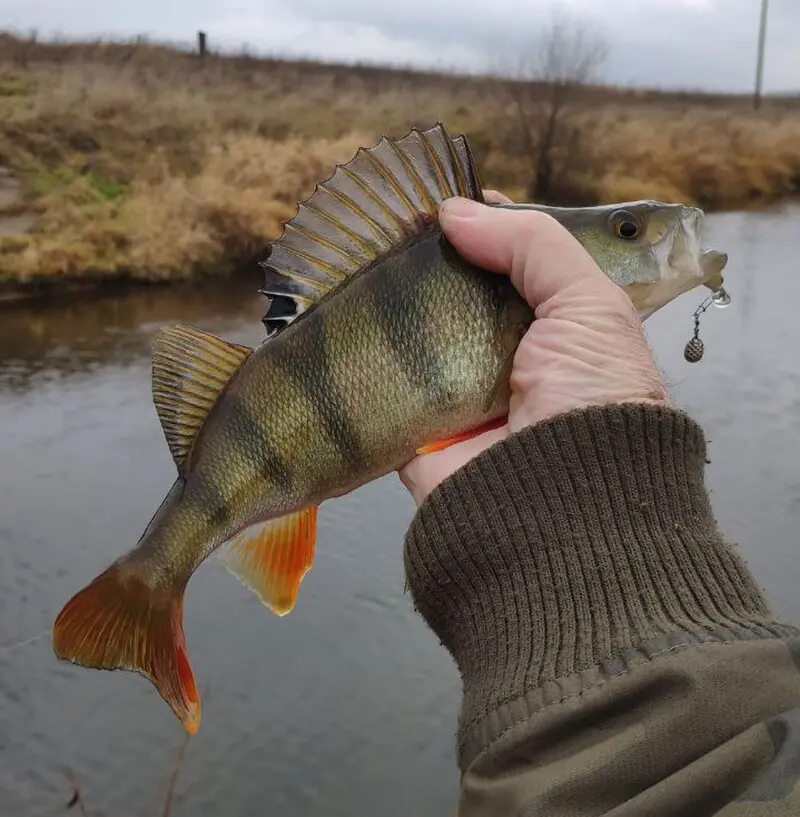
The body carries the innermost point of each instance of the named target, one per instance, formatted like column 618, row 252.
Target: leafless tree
column 543, row 84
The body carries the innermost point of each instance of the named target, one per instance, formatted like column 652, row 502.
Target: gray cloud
column 665, row 43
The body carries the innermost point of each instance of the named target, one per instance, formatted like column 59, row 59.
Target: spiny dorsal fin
column 190, row 370
column 383, row 195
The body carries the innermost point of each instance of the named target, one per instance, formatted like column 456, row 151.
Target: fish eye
column 626, row 225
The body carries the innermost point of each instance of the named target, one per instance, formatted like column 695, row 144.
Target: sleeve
column 616, row 655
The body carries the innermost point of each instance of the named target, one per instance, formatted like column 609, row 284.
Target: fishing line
column 4, row 648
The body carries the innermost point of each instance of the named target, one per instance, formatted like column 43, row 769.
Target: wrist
column 569, row 543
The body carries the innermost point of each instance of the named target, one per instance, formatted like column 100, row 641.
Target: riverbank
column 141, row 163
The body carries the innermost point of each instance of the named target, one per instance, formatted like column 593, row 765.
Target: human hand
column 585, row 347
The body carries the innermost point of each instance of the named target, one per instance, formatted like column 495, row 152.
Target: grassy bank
column 143, row 162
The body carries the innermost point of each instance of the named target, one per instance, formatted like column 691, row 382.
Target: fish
column 381, row 343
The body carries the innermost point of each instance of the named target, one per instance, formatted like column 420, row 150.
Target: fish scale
column 382, row 344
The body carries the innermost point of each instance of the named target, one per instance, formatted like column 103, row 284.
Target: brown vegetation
column 144, row 162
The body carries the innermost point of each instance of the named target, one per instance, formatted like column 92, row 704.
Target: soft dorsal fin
column 383, row 195
column 190, row 370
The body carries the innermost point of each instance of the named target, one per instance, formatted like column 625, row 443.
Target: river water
column 347, row 706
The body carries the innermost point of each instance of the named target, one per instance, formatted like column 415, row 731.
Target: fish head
column 653, row 250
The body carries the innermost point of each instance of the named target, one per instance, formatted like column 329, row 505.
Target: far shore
column 127, row 164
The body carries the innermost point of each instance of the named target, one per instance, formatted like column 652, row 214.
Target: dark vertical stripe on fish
column 251, row 437
column 207, row 501
column 308, row 366
column 405, row 324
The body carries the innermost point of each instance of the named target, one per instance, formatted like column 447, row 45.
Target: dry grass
column 142, row 162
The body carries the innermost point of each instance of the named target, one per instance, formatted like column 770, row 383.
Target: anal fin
column 440, row 445
column 273, row 557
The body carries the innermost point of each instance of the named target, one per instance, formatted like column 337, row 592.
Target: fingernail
column 459, row 208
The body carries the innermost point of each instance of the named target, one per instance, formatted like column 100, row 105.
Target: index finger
column 547, row 265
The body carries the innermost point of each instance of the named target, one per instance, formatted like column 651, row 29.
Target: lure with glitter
column 695, row 348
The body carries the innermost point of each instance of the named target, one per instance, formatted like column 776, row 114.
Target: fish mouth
column 712, row 262
column 683, row 263
column 705, row 264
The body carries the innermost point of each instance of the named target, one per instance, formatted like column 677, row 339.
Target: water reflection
column 82, row 332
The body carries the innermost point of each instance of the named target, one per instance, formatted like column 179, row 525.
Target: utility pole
column 762, row 36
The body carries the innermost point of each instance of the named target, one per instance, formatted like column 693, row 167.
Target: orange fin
column 272, row 558
column 440, row 445
column 120, row 622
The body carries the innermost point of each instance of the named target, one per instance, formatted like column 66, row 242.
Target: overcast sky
column 662, row 43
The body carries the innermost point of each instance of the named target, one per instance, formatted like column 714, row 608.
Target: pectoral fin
column 440, row 445
column 273, row 557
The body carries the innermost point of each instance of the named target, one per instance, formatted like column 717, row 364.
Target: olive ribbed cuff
column 569, row 543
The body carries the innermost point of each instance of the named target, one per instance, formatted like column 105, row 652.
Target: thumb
column 547, row 265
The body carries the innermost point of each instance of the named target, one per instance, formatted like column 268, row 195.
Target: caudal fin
column 119, row 622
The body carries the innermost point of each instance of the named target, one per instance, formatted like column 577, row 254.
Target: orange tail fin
column 119, row 622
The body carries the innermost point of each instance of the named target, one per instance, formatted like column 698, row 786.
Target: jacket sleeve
column 616, row 655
